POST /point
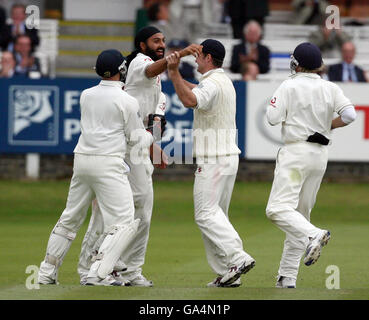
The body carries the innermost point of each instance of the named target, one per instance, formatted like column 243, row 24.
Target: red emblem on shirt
column 162, row 107
column 272, row 102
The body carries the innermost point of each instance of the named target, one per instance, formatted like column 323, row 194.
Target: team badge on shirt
column 272, row 102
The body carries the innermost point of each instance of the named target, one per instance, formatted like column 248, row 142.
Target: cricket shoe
column 117, row 276
column 114, row 274
column 137, row 280
column 216, row 283
column 46, row 280
column 108, row 281
column 285, row 282
column 315, row 246
column 235, row 272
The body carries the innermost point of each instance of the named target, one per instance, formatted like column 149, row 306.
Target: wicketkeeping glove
column 152, row 123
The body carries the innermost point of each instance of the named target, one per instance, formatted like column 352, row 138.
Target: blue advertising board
column 42, row 116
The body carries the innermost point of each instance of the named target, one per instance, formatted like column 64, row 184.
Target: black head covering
column 142, row 35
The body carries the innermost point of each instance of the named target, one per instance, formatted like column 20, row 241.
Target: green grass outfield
column 175, row 258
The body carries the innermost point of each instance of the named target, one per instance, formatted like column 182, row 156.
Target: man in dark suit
column 250, row 50
column 346, row 71
column 18, row 27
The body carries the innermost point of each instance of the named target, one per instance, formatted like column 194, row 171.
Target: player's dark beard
column 152, row 53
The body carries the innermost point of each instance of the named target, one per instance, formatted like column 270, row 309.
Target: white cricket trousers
column 140, row 180
column 104, row 177
column 212, row 193
column 298, row 174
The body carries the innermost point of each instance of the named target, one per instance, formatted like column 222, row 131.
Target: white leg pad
column 59, row 243
column 116, row 241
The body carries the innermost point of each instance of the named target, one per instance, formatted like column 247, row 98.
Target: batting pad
column 116, row 241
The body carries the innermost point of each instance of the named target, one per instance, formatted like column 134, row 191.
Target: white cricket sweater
column 215, row 132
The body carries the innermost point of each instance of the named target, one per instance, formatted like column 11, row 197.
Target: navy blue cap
column 308, row 56
column 213, row 47
column 178, row 43
column 108, row 62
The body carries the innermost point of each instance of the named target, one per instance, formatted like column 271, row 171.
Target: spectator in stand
column 193, row 15
column 249, row 71
column 16, row 28
column 347, row 71
column 329, row 41
column 142, row 19
column 187, row 65
column 308, row 11
column 251, row 50
column 243, row 11
column 158, row 15
column 26, row 63
column 7, row 65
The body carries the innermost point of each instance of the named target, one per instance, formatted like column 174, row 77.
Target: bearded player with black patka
column 145, row 64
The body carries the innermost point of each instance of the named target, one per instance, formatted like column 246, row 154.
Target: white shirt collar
column 208, row 73
column 306, row 74
column 111, row 83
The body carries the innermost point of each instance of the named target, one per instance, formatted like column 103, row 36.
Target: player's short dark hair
column 217, row 62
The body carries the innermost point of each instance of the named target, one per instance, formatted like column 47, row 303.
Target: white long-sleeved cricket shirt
column 306, row 104
column 109, row 121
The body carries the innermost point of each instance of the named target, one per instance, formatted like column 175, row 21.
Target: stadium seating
column 282, row 38
column 58, row 52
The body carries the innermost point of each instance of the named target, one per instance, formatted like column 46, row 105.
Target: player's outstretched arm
column 192, row 49
column 190, row 85
column 161, row 65
column 183, row 91
column 156, row 68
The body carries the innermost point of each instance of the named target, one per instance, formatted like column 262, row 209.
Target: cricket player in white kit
column 305, row 105
column 217, row 157
column 109, row 123
column 143, row 82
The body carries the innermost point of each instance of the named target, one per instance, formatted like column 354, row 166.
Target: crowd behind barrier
column 42, row 116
